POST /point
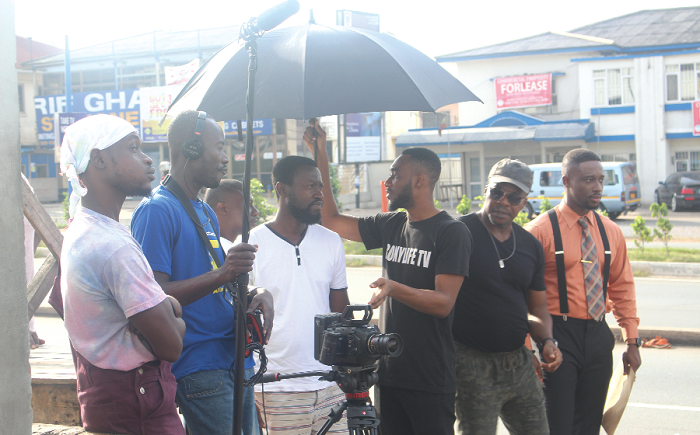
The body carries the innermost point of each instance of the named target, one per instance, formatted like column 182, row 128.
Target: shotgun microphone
column 269, row 19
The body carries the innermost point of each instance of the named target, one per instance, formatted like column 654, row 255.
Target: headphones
column 193, row 148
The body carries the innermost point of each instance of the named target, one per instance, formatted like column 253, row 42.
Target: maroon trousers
column 140, row 401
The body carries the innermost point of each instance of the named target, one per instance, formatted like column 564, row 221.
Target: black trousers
column 413, row 412
column 575, row 394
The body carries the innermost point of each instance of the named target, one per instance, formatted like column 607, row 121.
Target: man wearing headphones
column 179, row 234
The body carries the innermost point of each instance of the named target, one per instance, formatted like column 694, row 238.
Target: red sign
column 696, row 118
column 239, row 157
column 524, row 91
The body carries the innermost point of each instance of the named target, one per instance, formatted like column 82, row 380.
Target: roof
column 648, row 30
column 147, row 44
column 28, row 49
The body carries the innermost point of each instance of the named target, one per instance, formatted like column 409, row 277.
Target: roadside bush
column 464, row 206
column 642, row 232
column 663, row 232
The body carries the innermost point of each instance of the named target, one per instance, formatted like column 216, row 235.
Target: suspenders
column 559, row 256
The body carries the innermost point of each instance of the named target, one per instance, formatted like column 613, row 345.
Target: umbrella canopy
column 314, row 70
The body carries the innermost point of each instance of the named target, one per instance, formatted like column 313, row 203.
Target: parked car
column 621, row 192
column 681, row 190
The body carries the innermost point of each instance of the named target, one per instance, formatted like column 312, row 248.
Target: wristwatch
column 636, row 341
column 556, row 343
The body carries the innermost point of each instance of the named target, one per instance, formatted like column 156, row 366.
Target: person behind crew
column 505, row 285
column 125, row 331
column 185, row 269
column 575, row 394
column 227, row 202
column 426, row 257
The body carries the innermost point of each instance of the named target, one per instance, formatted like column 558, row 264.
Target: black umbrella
column 305, row 72
column 314, row 70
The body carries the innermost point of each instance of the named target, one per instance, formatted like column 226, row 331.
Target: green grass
column 357, row 248
column 676, row 255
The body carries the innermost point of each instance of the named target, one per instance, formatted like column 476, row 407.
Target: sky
column 438, row 27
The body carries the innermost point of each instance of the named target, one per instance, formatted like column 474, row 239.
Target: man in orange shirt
column 575, row 394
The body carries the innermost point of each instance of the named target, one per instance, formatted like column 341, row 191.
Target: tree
column 643, row 233
column 464, row 206
column 335, row 184
column 257, row 190
column 660, row 212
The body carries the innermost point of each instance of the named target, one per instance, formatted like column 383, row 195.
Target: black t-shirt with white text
column 491, row 308
column 414, row 252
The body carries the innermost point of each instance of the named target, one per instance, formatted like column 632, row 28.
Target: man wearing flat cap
column 500, row 302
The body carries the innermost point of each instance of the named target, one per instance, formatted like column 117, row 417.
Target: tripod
column 355, row 383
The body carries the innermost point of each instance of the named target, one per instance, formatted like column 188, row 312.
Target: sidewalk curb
column 675, row 336
column 645, row 267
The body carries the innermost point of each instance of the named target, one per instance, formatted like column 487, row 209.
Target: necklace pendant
column 500, row 263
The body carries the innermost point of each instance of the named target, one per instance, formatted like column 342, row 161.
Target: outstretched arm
column 438, row 302
column 346, row 226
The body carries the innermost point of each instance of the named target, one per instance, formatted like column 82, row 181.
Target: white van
column 621, row 191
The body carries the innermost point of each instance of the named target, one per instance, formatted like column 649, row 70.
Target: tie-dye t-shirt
column 105, row 279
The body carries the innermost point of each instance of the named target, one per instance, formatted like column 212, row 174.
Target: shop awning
column 466, row 135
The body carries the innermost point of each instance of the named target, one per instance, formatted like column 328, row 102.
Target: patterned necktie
column 591, row 273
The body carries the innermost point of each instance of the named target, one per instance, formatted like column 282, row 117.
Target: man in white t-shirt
column 303, row 265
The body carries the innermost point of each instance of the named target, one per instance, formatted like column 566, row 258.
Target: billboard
column 179, row 75
column 696, row 118
column 360, row 20
column 363, row 135
column 154, row 103
column 122, row 103
column 260, row 127
column 523, row 91
column 61, row 122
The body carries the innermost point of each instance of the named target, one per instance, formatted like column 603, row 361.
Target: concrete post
column 651, row 146
column 15, row 379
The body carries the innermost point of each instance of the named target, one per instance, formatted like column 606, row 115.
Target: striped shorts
column 302, row 412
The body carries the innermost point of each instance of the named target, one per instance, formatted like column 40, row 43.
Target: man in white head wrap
column 125, row 331
column 94, row 132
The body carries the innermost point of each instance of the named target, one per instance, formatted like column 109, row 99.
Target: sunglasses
column 513, row 198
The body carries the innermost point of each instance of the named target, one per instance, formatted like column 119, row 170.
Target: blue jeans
column 206, row 400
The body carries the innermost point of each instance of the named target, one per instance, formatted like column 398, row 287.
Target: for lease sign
column 524, row 91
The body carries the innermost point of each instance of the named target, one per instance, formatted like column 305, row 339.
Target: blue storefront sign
column 122, row 103
column 260, row 127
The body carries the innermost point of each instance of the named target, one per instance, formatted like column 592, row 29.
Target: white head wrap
column 94, row 132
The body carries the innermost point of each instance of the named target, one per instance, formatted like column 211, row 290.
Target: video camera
column 340, row 340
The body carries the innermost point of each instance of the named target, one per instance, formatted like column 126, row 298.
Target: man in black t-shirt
column 506, row 283
column 426, row 257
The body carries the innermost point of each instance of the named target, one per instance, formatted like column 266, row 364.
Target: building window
column 42, row 170
column 613, row 87
column 21, row 98
column 552, row 108
column 682, row 82
column 687, row 161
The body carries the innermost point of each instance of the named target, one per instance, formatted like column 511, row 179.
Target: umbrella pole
column 242, row 280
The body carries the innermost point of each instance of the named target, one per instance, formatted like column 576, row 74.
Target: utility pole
column 15, row 379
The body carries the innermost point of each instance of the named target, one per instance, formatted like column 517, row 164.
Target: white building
column 622, row 87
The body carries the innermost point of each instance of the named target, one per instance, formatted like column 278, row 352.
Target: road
column 664, row 401
column 661, row 302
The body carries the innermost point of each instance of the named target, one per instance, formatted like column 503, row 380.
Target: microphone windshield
column 274, row 16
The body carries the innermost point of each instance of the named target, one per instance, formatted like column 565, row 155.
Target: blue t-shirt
column 171, row 244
